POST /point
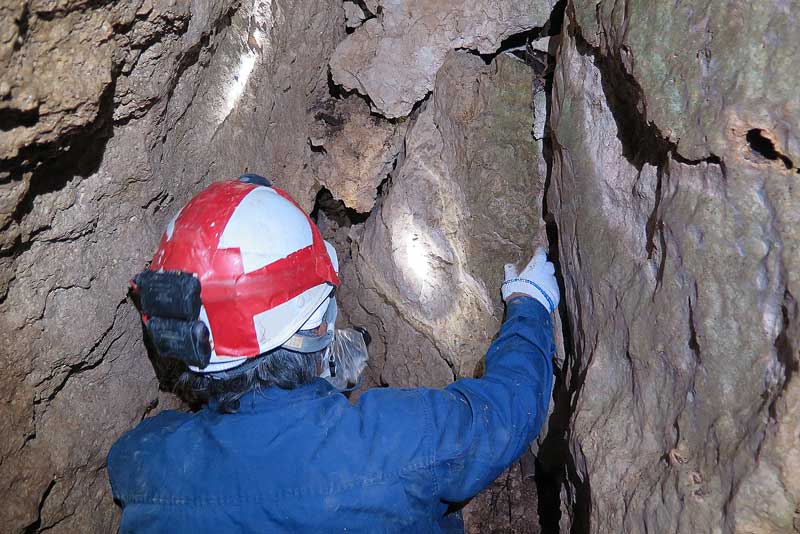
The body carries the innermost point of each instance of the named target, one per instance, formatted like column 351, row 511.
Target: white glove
column 537, row 280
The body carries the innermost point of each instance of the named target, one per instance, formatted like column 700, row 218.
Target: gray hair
column 278, row 368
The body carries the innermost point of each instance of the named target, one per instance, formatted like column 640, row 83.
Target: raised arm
column 480, row 426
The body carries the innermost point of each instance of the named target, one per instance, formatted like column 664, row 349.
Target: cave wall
column 653, row 147
column 674, row 188
column 114, row 115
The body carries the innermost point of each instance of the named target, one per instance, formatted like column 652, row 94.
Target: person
column 241, row 289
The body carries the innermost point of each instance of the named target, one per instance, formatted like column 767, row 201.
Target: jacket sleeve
column 478, row 427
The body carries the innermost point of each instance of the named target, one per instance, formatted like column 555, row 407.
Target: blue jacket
column 306, row 460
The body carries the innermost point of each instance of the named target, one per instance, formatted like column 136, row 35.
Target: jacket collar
column 275, row 397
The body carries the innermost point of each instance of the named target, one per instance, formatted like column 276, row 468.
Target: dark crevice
column 338, row 92
column 765, row 147
column 383, row 187
column 54, row 166
column 317, row 149
column 36, row 524
column 642, row 141
column 786, row 347
column 326, row 113
column 152, row 405
column 694, row 344
column 81, row 367
column 23, row 24
column 555, row 23
column 548, row 492
column 15, row 118
column 54, row 12
column 662, row 261
column 73, row 371
column 582, row 511
column 194, row 54
column 369, row 14
column 516, row 44
column 654, row 221
column 336, row 210
column 415, row 109
column 556, row 469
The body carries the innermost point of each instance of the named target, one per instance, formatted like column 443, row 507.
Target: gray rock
column 679, row 270
column 353, row 151
column 394, row 57
column 464, row 200
column 137, row 106
column 353, row 14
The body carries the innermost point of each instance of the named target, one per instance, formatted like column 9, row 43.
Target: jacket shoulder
column 125, row 458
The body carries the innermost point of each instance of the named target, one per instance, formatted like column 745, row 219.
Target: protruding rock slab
column 394, row 57
column 465, row 199
column 426, row 267
column 353, row 151
column 710, row 70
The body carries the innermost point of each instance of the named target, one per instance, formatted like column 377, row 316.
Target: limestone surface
column 393, row 58
column 668, row 144
column 465, row 199
column 424, row 271
column 353, row 151
column 674, row 190
column 114, row 115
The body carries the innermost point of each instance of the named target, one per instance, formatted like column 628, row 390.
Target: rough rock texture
column 353, row 151
column 113, row 115
column 669, row 143
column 674, row 187
column 393, row 57
column 425, row 268
column 509, row 504
column 430, row 257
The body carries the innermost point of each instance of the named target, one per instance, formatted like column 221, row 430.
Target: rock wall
column 113, row 115
column 674, row 187
column 432, row 140
column 430, row 256
column 426, row 266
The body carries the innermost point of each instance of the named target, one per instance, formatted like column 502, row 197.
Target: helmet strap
column 305, row 341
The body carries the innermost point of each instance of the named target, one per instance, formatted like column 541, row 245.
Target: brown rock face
column 394, row 56
column 113, row 115
column 353, row 151
column 658, row 140
column 430, row 257
column 674, row 189
column 426, row 267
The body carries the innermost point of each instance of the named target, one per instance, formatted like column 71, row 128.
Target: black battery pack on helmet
column 175, row 295
column 188, row 341
column 170, row 305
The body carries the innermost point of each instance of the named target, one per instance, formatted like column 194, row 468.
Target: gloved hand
column 537, row 280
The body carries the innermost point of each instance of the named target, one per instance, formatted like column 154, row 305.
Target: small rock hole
column 335, row 210
column 764, row 147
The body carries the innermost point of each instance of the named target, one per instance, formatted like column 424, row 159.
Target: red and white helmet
column 264, row 270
